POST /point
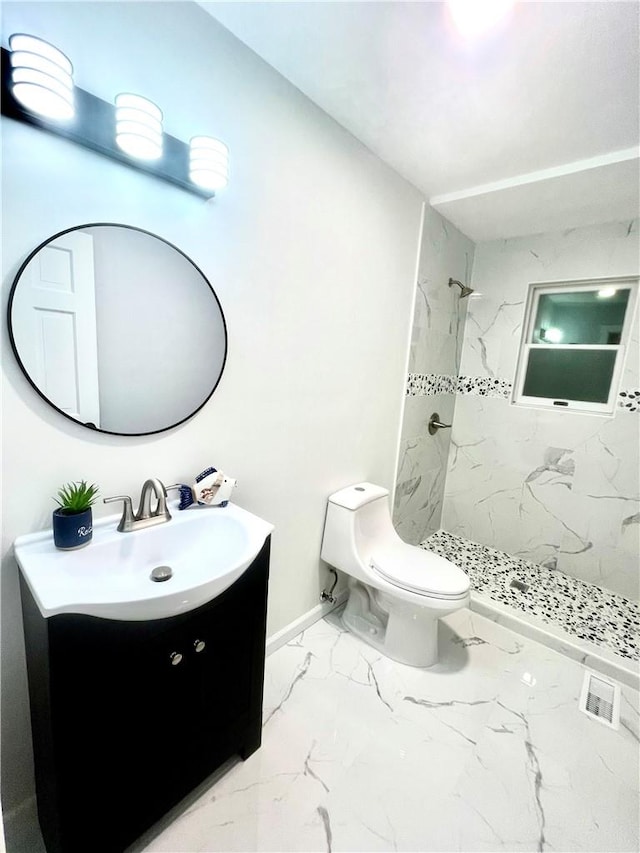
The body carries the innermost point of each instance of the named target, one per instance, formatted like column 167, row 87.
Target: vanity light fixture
column 607, row 292
column 41, row 77
column 139, row 127
column 38, row 89
column 208, row 162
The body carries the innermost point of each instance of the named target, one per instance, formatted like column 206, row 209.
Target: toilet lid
column 420, row 571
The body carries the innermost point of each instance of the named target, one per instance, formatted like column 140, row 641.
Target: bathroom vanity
column 129, row 716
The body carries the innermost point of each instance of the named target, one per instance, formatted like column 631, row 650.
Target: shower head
column 464, row 290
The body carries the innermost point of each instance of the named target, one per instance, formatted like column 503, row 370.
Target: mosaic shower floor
column 584, row 611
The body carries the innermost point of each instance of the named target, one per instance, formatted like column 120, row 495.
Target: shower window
column 573, row 344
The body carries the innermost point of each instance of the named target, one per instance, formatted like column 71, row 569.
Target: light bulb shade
column 41, row 77
column 208, row 162
column 138, row 127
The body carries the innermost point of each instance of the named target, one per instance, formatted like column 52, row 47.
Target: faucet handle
column 127, row 511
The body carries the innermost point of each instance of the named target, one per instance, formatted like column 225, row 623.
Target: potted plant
column 73, row 520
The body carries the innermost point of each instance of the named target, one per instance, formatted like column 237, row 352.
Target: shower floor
column 581, row 610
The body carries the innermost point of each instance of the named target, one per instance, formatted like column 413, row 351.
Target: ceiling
column 532, row 127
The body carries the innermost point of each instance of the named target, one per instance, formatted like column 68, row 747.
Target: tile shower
column 434, row 362
column 556, row 490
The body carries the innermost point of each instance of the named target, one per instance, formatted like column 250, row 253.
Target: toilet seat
column 419, row 571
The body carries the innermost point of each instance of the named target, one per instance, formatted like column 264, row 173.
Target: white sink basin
column 207, row 549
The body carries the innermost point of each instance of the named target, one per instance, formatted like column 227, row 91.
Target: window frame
column 541, row 288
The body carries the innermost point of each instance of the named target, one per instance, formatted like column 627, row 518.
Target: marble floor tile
column 485, row 751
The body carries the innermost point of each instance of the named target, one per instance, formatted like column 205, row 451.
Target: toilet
column 397, row 592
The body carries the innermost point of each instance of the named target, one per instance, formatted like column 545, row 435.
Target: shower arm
column 464, row 290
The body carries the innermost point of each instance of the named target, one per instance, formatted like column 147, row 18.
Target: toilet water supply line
column 329, row 596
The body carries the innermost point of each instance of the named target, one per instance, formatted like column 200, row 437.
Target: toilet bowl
column 397, row 592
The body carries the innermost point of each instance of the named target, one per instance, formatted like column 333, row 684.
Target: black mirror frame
column 88, row 426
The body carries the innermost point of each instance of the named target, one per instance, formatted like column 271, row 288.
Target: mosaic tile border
column 431, row 384
column 583, row 610
column 483, row 386
column 629, row 400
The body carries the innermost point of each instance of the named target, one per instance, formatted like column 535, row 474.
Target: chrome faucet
column 145, row 517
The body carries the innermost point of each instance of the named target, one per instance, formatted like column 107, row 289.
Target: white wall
column 554, row 487
column 312, row 251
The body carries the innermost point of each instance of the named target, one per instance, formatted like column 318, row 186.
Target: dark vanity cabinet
column 129, row 717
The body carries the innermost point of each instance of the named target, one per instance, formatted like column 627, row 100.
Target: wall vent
column 600, row 700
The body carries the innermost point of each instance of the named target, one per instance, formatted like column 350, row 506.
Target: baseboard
column 281, row 637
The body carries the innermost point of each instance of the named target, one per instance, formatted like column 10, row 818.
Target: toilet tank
column 355, row 517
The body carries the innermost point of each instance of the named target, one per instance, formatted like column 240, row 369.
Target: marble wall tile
column 502, row 271
column 435, row 350
column 418, row 413
column 492, row 336
column 421, row 508
column 438, row 320
column 422, row 468
column 445, row 253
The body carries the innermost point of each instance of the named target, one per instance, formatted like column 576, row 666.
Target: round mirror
column 117, row 329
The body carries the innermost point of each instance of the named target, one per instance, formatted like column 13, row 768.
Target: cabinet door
column 222, row 677
column 124, row 736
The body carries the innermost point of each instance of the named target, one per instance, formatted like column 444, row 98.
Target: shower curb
column 588, row 654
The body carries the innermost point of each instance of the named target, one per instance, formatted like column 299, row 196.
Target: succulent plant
column 76, row 497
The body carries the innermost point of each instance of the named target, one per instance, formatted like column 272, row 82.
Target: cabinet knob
column 175, row 658
column 199, row 645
